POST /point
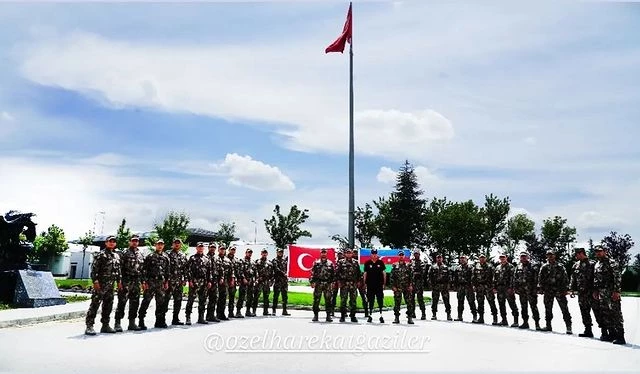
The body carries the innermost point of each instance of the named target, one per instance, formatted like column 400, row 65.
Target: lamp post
column 255, row 231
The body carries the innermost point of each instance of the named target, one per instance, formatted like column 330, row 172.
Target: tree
column 343, row 241
column 495, row 220
column 636, row 263
column 285, row 230
column 50, row 244
column 174, row 225
column 365, row 225
column 226, row 233
column 518, row 229
column 123, row 236
column 86, row 241
column 536, row 248
column 556, row 235
column 618, row 247
column 401, row 217
column 591, row 250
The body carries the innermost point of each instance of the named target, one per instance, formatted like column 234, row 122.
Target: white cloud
column 247, row 172
column 530, row 140
column 386, row 175
column 426, row 177
column 6, row 116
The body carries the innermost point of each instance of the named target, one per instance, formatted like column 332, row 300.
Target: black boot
column 354, row 319
column 423, row 316
column 132, row 325
column 141, row 324
column 107, row 329
column 369, row 319
column 503, row 321
column 201, row 319
column 176, row 321
column 475, row 318
column 343, row 318
column 315, row 317
column 117, row 327
column 265, row 312
column 188, row 320
column 619, row 338
column 239, row 314
column 396, row 319
column 515, row 322
column 525, row 324
column 459, row 318
column 606, row 336
column 587, row 332
column 89, row 330
column 284, row 311
column 479, row 320
column 329, row 319
column 381, row 319
column 162, row 323
column 538, row 328
column 410, row 320
column 433, row 317
column 547, row 327
column 449, row 316
column 568, row 324
column 495, row 320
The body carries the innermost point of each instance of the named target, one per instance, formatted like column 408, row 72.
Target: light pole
column 95, row 218
column 255, row 232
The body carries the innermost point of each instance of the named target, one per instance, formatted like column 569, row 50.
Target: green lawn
column 76, row 298
column 306, row 299
column 71, row 283
column 631, row 293
column 5, row 306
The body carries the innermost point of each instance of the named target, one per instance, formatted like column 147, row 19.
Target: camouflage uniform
column 525, row 281
column 336, row 291
column 105, row 270
column 606, row 281
column 212, row 292
column 198, row 274
column 348, row 274
column 582, row 283
column 482, row 280
column 226, row 273
column 155, row 275
column 177, row 263
column 323, row 273
column 401, row 278
column 502, row 282
column 439, row 282
column 131, row 266
column 418, row 267
column 264, row 275
column 236, row 267
column 248, row 274
column 281, row 283
column 553, row 282
column 464, row 289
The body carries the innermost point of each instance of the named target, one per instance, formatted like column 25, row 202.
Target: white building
column 80, row 261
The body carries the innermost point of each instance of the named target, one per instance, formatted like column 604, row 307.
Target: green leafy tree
column 536, row 248
column 226, row 233
column 343, row 241
column 173, row 225
column 123, row 235
column 557, row 236
column 49, row 244
column 285, row 230
column 618, row 247
column 87, row 239
column 518, row 228
column 495, row 220
column 365, row 225
column 636, row 263
column 591, row 250
column 401, row 217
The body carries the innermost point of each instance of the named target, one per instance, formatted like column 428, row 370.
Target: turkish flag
column 301, row 260
column 344, row 38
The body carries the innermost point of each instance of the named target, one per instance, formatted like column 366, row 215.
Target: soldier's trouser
column 586, row 303
column 104, row 296
column 130, row 292
column 212, row 300
column 529, row 298
column 173, row 292
column 363, row 297
column 245, row 294
column 222, row 299
column 322, row 289
column 562, row 302
column 280, row 287
column 483, row 292
column 610, row 313
column 503, row 298
column 153, row 291
column 348, row 291
column 376, row 293
column 435, row 295
column 232, row 297
column 201, row 291
column 418, row 292
column 466, row 292
column 334, row 296
column 264, row 289
column 408, row 300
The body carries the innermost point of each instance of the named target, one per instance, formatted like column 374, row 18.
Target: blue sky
column 224, row 109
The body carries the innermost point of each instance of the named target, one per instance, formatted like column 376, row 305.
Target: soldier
column 502, row 286
column 606, row 293
column 281, row 281
column 439, row 281
column 131, row 266
column 177, row 263
column 401, row 278
column 375, row 277
column 322, row 275
column 464, row 289
column 348, row 274
column 226, row 280
column 362, row 290
column 212, row 292
column 198, row 275
column 582, row 284
column 336, row 290
column 105, row 271
column 236, row 267
column 247, row 284
column 553, row 283
column 155, row 282
column 525, row 281
column 264, row 274
column 482, row 280
column 418, row 267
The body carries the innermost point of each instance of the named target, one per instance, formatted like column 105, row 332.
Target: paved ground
column 285, row 344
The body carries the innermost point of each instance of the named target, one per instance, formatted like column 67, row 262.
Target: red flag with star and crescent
column 301, row 260
column 344, row 38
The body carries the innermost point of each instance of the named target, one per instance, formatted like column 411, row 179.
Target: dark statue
column 13, row 251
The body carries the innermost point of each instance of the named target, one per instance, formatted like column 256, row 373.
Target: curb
column 42, row 319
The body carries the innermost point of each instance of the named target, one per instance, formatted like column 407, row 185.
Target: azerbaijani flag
column 388, row 256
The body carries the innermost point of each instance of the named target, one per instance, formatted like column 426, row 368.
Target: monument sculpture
column 19, row 284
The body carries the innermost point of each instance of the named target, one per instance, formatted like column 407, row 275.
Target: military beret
column 160, row 241
column 374, row 251
column 110, row 237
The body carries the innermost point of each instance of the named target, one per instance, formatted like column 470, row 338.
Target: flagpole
column 351, row 151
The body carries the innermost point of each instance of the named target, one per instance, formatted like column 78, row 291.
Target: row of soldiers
column 214, row 278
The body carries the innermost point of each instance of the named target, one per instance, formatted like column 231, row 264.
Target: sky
column 222, row 110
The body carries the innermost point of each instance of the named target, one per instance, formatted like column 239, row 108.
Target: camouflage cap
column 280, row 250
column 323, row 250
column 160, row 241
column 416, row 251
column 374, row 251
column 134, row 236
column 502, row 255
column 400, row 253
column 212, row 245
column 110, row 237
column 523, row 253
column 249, row 250
column 264, row 250
column 200, row 244
column 550, row 252
column 177, row 240
column 578, row 250
column 438, row 255
column 348, row 250
column 482, row 255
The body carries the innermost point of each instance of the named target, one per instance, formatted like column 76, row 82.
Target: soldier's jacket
column 177, row 263
column 323, row 271
column 106, row 268
column 225, row 269
column 264, row 270
column 216, row 273
column 348, row 271
column 155, row 268
column 606, row 276
column 131, row 262
column 582, row 276
column 248, row 270
column 462, row 275
column 503, row 275
column 401, row 275
column 236, row 266
column 419, row 270
column 438, row 275
column 482, row 274
column 525, row 277
column 198, row 269
column 553, row 278
column 280, row 267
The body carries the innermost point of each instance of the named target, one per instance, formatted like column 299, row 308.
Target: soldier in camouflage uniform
column 348, row 274
column 236, row 265
column 131, row 266
column 227, row 280
column 281, row 281
column 606, row 293
column 554, row 283
column 582, row 284
column 247, row 284
column 336, row 289
column 418, row 266
column 464, row 289
column 482, row 280
column 105, row 271
column 264, row 276
column 401, row 284
column 322, row 277
column 439, row 282
column 155, row 282
column 177, row 263
column 362, row 289
column 502, row 286
column 212, row 292
column 198, row 275
column 525, row 282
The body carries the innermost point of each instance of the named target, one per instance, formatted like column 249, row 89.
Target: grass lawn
column 631, row 293
column 76, row 298
column 306, row 299
column 5, row 306
column 71, row 283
